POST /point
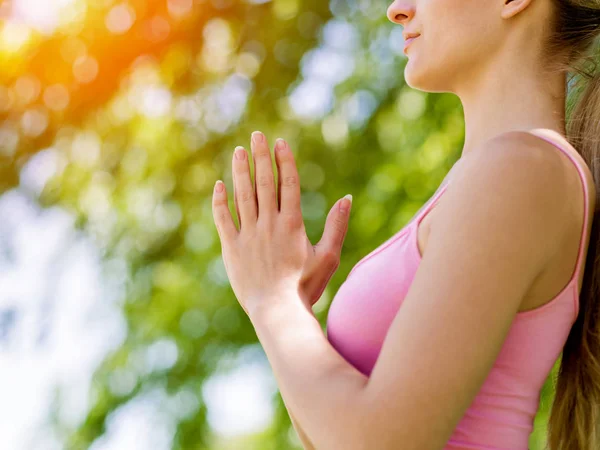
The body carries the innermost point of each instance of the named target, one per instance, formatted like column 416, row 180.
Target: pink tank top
column 503, row 412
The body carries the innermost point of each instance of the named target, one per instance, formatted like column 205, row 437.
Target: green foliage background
column 141, row 183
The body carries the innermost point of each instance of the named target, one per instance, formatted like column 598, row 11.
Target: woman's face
column 458, row 38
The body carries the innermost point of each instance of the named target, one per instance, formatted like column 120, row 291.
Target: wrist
column 268, row 312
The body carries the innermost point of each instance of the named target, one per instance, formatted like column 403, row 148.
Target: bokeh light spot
column 335, row 129
column 120, row 18
column 285, row 9
column 179, row 8
column 121, row 381
column 156, row 29
column 160, row 355
column 85, row 149
column 7, row 98
column 85, row 69
column 184, row 404
column 27, row 88
column 9, row 139
column 34, row 122
column 411, row 104
column 198, row 238
column 14, row 36
column 248, row 64
column 218, row 46
column 155, row 101
column 72, row 48
column 56, row 97
column 194, row 323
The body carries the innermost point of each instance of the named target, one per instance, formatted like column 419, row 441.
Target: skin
column 499, row 226
column 485, row 52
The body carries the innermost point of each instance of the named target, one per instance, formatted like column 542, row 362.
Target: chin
column 413, row 77
column 424, row 80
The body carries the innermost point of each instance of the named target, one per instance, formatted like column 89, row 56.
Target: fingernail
column 239, row 153
column 279, row 144
column 257, row 137
column 345, row 203
column 219, row 186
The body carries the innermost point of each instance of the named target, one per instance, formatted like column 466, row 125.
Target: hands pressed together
column 270, row 259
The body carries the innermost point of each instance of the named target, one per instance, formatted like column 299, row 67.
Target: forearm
column 306, row 443
column 317, row 383
column 304, row 439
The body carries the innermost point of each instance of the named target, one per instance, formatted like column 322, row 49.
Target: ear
column 514, row 7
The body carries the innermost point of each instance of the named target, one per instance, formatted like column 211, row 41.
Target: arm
column 500, row 222
column 303, row 437
column 314, row 380
column 304, row 440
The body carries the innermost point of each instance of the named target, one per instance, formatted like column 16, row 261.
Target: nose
column 400, row 12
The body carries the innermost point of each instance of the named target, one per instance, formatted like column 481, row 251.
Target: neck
column 511, row 97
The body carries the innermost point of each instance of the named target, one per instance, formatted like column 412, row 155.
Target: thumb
column 336, row 226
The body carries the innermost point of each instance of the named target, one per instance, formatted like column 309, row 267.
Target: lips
column 408, row 41
column 407, row 36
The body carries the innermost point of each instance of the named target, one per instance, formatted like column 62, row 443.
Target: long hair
column 574, row 420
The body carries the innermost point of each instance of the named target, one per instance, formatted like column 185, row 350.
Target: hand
column 271, row 256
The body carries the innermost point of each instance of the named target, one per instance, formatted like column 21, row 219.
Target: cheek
column 449, row 51
column 456, row 30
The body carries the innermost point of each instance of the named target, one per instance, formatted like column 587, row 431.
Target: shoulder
column 537, row 173
column 514, row 185
column 522, row 151
column 520, row 155
column 519, row 163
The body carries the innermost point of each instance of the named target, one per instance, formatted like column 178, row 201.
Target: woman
column 442, row 337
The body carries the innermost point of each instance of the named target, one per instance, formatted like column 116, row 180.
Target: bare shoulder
column 557, row 165
column 536, row 141
column 533, row 163
column 525, row 148
column 519, row 181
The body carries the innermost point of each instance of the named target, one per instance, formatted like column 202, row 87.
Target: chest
column 367, row 302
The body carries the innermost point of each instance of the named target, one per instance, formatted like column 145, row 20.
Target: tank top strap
column 429, row 206
column 551, row 139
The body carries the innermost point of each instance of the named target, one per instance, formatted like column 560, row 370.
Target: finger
column 289, row 180
column 221, row 214
column 244, row 192
column 235, row 200
column 278, row 185
column 278, row 164
column 336, row 227
column 264, row 180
